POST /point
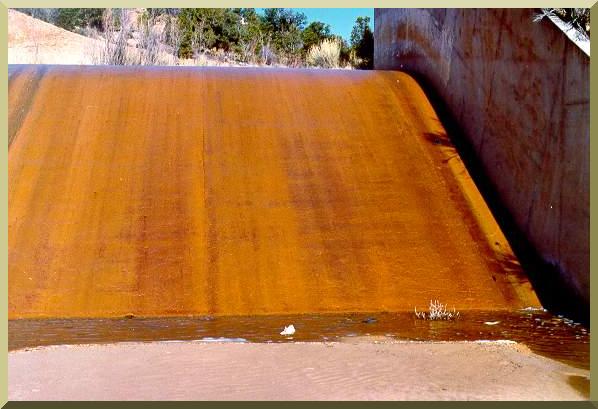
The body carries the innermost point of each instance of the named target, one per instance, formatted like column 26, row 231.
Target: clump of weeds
column 437, row 311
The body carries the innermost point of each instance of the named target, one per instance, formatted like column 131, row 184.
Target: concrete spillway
column 186, row 191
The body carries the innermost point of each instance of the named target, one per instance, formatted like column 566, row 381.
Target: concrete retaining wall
column 519, row 92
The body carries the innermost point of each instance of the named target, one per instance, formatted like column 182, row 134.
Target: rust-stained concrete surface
column 519, row 91
column 169, row 191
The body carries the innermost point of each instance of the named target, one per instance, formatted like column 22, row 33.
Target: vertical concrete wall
column 519, row 92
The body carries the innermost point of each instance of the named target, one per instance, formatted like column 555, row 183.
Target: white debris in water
column 290, row 330
column 491, row 322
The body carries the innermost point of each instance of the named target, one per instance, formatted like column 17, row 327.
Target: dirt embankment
column 32, row 41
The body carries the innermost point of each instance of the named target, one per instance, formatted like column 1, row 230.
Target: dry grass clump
column 437, row 311
column 326, row 54
column 129, row 42
column 114, row 48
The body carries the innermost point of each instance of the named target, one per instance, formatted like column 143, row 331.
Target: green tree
column 345, row 56
column 72, row 18
column 251, row 35
column 362, row 42
column 314, row 34
column 284, row 27
column 205, row 28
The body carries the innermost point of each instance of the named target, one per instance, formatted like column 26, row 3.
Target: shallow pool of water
column 542, row 332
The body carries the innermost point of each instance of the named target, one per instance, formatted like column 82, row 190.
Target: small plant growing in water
column 437, row 311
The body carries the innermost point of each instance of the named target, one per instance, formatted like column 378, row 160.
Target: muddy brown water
column 547, row 335
column 253, row 198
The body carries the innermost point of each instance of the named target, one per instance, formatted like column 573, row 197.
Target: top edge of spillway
column 124, row 69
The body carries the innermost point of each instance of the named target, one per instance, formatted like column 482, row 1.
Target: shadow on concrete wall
column 547, row 279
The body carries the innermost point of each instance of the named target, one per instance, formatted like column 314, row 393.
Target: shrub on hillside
column 326, row 54
column 78, row 19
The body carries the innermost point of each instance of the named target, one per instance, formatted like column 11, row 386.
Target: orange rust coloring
column 186, row 191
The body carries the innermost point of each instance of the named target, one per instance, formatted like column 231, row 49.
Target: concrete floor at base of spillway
column 358, row 369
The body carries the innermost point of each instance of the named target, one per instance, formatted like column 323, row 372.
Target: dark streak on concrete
column 25, row 101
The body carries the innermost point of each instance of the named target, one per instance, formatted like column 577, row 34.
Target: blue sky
column 341, row 20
